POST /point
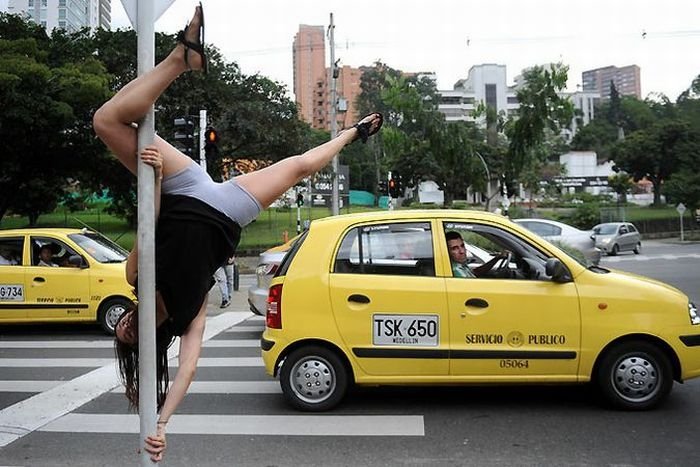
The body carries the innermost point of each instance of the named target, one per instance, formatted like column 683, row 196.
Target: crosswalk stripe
column 197, row 387
column 245, row 329
column 28, row 386
column 228, row 387
column 30, row 414
column 99, row 362
column 281, row 425
column 108, row 344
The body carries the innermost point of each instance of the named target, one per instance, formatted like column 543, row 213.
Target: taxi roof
column 409, row 214
column 43, row 230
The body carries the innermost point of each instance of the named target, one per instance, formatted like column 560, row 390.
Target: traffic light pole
column 202, row 131
column 146, row 242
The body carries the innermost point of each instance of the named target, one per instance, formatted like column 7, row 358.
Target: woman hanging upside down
column 199, row 221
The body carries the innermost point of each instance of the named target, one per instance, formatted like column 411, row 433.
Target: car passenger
column 7, row 257
column 458, row 258
column 46, row 256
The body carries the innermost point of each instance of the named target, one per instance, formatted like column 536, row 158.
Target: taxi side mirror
column 77, row 261
column 555, row 269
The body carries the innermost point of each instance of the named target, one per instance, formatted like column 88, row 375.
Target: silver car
column 614, row 237
column 268, row 263
column 554, row 231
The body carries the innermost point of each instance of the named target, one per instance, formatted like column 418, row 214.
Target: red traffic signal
column 211, row 136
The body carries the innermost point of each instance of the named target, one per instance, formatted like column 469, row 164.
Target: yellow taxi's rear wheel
column 110, row 311
column 635, row 375
column 313, row 378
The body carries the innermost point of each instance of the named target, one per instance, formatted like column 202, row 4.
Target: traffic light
column 383, row 189
column 184, row 135
column 393, row 188
column 300, row 200
column 211, row 141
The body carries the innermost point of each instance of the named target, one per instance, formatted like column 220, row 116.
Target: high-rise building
column 626, row 79
column 71, row 15
column 309, row 55
column 312, row 88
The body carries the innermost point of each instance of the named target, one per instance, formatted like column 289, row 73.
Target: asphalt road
column 235, row 414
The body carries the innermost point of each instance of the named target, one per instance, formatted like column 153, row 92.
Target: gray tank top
column 228, row 197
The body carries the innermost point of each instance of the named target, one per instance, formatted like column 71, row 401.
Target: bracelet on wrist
column 161, row 422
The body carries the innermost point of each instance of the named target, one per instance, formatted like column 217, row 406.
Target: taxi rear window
column 404, row 249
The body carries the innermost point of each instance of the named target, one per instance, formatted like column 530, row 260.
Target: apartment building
column 71, row 15
column 312, row 85
column 626, row 79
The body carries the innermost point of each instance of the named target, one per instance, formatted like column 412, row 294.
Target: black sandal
column 197, row 47
column 365, row 130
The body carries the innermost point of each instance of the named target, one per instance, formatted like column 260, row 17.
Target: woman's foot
column 191, row 42
column 368, row 126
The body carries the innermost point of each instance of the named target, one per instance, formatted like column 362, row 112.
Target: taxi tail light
column 273, row 317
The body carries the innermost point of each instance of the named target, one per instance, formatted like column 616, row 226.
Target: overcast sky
column 449, row 36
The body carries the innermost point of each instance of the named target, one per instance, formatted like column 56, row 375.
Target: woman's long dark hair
column 128, row 358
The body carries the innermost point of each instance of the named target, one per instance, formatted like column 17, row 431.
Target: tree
column 48, row 99
column 541, row 109
column 653, row 153
column 621, row 183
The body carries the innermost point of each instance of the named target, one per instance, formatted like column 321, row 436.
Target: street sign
column 159, row 8
column 680, row 208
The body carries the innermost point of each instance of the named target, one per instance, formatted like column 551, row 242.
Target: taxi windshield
column 102, row 249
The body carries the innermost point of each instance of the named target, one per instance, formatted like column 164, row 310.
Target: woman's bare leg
column 268, row 184
column 113, row 122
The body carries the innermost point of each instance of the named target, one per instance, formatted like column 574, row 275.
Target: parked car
column 559, row 232
column 614, row 237
column 268, row 262
column 344, row 309
column 88, row 283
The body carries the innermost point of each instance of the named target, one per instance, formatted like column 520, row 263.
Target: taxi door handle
column 477, row 303
column 39, row 279
column 358, row 298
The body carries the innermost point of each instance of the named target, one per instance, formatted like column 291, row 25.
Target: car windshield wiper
column 598, row 269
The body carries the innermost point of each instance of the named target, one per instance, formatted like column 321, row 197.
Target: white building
column 71, row 15
column 487, row 83
column 583, row 173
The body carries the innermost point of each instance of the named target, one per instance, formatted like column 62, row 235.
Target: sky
column 447, row 37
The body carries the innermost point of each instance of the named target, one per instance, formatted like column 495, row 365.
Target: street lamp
column 488, row 180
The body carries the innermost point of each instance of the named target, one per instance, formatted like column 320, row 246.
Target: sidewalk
column 239, row 299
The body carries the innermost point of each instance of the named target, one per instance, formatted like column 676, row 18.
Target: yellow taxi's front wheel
column 110, row 311
column 635, row 375
column 313, row 378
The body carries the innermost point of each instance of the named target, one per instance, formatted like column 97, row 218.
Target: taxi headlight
column 693, row 312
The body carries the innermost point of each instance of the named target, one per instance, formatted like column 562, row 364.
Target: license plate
column 411, row 330
column 11, row 292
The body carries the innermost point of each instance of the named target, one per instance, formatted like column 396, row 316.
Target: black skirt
column 192, row 241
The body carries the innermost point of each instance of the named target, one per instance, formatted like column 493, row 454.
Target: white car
column 554, row 231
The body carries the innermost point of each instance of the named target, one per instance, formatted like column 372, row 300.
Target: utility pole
column 335, row 205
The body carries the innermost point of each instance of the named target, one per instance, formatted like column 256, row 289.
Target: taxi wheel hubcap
column 635, row 378
column 113, row 314
column 313, row 379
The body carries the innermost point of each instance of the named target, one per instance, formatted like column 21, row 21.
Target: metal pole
column 146, row 243
column 202, row 143
column 334, row 124
column 488, row 180
column 681, row 217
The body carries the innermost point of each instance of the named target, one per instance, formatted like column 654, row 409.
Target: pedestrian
column 199, row 221
column 225, row 280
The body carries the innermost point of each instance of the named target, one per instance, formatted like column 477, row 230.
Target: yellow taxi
column 62, row 275
column 375, row 299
